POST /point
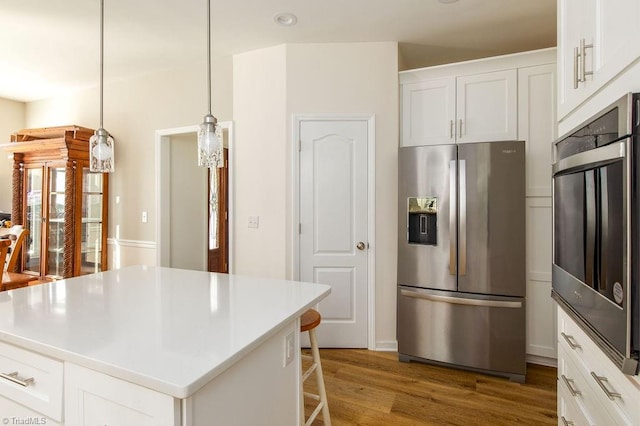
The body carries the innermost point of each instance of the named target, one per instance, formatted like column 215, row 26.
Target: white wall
column 261, row 161
column 270, row 85
column 12, row 119
column 133, row 110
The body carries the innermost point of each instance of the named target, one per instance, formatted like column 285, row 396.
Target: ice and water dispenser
column 423, row 220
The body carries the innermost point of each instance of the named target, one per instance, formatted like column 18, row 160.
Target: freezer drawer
column 478, row 332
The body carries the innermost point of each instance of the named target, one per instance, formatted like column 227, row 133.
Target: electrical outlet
column 144, row 217
column 253, row 221
column 288, row 348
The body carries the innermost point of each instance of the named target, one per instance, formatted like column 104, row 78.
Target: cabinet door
column 537, row 124
column 55, row 237
column 487, row 107
column 618, row 38
column 92, row 398
column 91, row 254
column 428, row 112
column 33, row 220
column 576, row 21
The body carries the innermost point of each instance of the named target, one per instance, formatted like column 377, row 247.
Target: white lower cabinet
column 30, row 384
column 12, row 413
column 588, row 380
column 569, row 413
column 93, row 398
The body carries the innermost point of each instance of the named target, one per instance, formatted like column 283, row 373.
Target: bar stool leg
column 320, row 378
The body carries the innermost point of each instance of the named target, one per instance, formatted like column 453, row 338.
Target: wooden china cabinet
column 60, row 203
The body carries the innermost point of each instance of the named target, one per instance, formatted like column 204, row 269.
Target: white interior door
column 333, row 225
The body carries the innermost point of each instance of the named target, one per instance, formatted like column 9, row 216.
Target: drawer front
column 604, row 377
column 569, row 414
column 485, row 337
column 43, row 393
column 16, row 414
column 572, row 379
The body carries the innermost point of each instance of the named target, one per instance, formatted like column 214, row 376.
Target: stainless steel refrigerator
column 461, row 256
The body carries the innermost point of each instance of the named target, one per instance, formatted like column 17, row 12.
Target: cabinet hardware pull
column 566, row 422
column 572, row 390
column 583, row 58
column 13, row 377
column 601, row 382
column 576, row 73
column 450, row 129
column 571, row 341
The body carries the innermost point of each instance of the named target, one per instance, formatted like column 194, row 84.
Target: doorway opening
column 183, row 196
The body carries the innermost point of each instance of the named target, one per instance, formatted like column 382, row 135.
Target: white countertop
column 170, row 330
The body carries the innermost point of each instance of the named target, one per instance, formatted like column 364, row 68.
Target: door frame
column 163, row 175
column 297, row 120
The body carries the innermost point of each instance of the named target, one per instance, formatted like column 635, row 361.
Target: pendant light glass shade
column 210, row 149
column 101, row 144
column 101, row 152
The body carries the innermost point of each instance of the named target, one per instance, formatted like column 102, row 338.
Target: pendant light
column 210, row 152
column 101, row 143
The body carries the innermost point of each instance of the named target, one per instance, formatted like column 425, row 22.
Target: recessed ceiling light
column 285, row 19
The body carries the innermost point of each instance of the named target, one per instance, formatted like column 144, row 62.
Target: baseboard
column 542, row 360
column 386, row 346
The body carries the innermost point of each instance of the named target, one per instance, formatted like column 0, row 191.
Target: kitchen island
column 151, row 345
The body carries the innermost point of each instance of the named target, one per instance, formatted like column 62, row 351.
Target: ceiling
column 50, row 47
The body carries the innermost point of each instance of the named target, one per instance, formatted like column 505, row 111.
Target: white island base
column 153, row 346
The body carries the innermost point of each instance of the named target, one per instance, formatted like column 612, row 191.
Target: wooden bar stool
column 308, row 322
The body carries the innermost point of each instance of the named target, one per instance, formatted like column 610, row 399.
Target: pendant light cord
column 101, row 56
column 208, row 51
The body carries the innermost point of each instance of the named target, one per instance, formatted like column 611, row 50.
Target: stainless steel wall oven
column 595, row 223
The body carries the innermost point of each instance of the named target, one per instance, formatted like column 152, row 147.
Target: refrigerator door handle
column 461, row 300
column 453, row 207
column 462, row 250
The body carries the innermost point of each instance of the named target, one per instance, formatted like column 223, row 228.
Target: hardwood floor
column 374, row 388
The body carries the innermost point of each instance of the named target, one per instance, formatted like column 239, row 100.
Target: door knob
column 360, row 245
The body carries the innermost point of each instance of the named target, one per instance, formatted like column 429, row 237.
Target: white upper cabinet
column 472, row 108
column 429, row 112
column 487, row 107
column 597, row 40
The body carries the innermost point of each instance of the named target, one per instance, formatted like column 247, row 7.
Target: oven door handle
column 590, row 159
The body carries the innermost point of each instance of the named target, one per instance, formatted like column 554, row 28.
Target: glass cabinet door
column 92, row 207
column 33, row 210
column 55, row 222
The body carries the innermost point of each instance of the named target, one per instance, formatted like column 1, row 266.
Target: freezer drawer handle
column 568, row 382
column 461, row 301
column 601, row 382
column 13, row 377
column 571, row 341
